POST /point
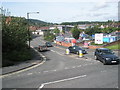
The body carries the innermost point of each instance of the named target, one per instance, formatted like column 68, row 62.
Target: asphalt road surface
column 64, row 71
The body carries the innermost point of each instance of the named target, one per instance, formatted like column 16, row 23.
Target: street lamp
column 28, row 25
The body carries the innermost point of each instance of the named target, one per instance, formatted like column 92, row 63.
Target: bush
column 14, row 56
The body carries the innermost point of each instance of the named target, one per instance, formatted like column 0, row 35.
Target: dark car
column 48, row 44
column 106, row 56
column 75, row 49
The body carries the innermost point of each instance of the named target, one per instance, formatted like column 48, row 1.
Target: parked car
column 42, row 48
column 48, row 44
column 75, row 49
column 106, row 56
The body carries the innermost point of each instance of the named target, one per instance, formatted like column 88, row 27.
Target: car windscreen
column 107, row 52
column 78, row 47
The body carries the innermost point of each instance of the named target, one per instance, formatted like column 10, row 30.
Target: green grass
column 92, row 43
column 117, row 46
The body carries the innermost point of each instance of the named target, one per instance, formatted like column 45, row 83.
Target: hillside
column 35, row 22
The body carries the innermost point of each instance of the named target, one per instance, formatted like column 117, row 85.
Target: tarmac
column 29, row 63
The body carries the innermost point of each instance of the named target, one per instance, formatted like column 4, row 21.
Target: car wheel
column 96, row 58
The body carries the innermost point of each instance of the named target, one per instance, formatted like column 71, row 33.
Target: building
column 41, row 30
column 65, row 28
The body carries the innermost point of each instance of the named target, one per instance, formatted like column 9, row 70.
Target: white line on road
column 66, row 68
column 57, row 52
column 68, row 79
column 53, row 70
column 104, row 71
column 74, row 67
column 45, row 71
column 79, row 66
column 29, row 73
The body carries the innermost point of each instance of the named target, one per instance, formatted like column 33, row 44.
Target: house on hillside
column 65, row 28
column 41, row 30
column 83, row 27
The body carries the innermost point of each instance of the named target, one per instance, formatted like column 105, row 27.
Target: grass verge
column 114, row 47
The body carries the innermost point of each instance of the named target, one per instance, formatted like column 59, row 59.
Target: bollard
column 67, row 51
column 80, row 53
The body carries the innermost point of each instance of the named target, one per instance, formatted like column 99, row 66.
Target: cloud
column 100, row 5
column 99, row 14
column 59, row 0
column 111, row 17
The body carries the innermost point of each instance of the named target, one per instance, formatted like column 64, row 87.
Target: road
column 64, row 71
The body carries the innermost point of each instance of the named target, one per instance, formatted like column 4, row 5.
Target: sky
column 58, row 11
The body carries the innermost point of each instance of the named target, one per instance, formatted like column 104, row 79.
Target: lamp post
column 28, row 26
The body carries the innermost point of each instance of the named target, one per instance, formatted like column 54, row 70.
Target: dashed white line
column 57, row 52
column 74, row 67
column 66, row 68
column 29, row 73
column 52, row 50
column 46, row 71
column 79, row 66
column 53, row 70
column 104, row 71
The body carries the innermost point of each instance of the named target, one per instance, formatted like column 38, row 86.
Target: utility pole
column 29, row 25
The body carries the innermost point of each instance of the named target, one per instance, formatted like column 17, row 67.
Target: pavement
column 38, row 58
column 21, row 66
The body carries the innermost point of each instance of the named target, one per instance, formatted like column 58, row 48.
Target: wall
column 64, row 44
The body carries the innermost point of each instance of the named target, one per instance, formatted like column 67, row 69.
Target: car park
column 48, row 44
column 106, row 56
column 76, row 49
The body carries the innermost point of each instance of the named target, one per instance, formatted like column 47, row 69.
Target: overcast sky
column 57, row 11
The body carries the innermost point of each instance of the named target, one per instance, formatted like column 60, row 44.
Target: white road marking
column 52, row 50
column 57, row 52
column 45, row 71
column 29, row 73
column 74, row 67
column 85, row 64
column 68, row 79
column 53, row 70
column 66, row 68
column 104, row 71
column 79, row 66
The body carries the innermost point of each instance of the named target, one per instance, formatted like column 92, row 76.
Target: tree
column 14, row 40
column 75, row 32
column 15, row 34
column 49, row 36
column 56, row 31
column 92, row 30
